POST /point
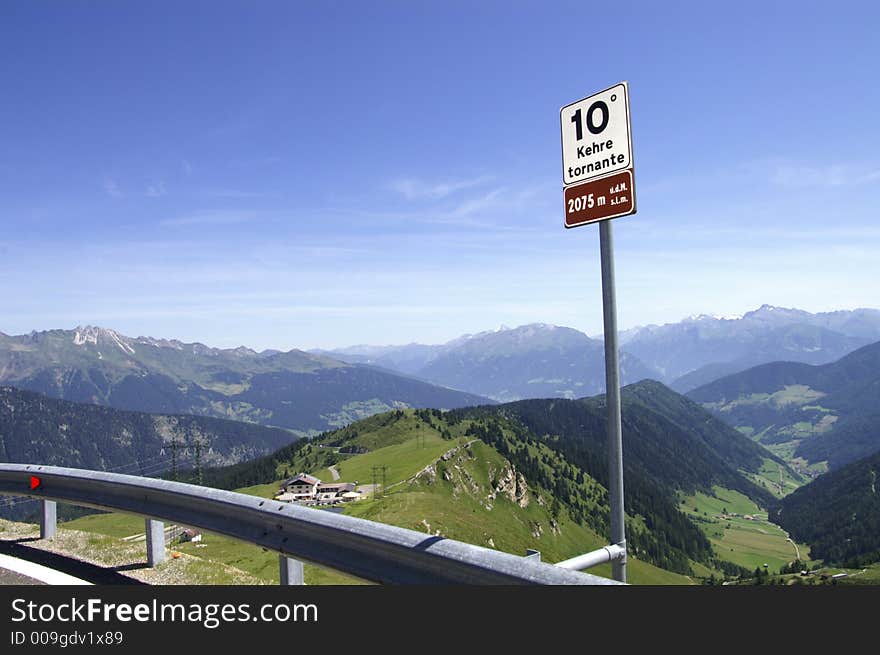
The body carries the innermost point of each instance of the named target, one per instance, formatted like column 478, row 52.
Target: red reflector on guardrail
column 35, row 482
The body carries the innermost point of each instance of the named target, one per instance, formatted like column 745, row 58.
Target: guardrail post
column 155, row 541
column 48, row 519
column 291, row 571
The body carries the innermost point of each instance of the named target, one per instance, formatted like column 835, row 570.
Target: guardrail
column 364, row 549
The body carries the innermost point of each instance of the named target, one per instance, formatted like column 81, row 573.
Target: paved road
column 12, row 578
column 36, row 573
column 90, row 573
column 333, row 472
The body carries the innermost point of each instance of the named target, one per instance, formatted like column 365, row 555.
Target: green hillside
column 439, row 481
column 740, row 531
column 838, row 513
column 239, row 555
column 556, row 449
column 38, row 429
column 529, row 475
column 816, row 417
column 671, row 541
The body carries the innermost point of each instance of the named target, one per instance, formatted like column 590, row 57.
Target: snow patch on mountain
column 83, row 335
column 119, row 342
column 713, row 317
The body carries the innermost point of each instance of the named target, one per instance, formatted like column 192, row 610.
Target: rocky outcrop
column 424, row 523
column 467, row 479
column 428, row 474
column 449, row 454
column 511, row 484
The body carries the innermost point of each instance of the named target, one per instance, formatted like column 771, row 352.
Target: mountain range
column 313, row 391
column 296, row 390
column 531, row 361
column 541, row 360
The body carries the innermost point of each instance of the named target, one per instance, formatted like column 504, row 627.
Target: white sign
column 596, row 137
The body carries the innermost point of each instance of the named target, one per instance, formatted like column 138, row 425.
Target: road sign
column 596, row 138
column 597, row 200
column 597, row 172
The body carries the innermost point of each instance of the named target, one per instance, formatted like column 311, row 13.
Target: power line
column 376, row 471
column 146, row 467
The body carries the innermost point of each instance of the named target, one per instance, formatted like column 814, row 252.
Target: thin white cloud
column 111, row 188
column 187, row 167
column 487, row 201
column 219, row 217
column 156, row 190
column 255, row 162
column 229, row 193
column 655, row 232
column 833, row 175
column 413, row 189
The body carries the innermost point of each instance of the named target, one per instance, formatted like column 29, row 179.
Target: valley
column 815, row 417
column 485, row 476
column 715, row 481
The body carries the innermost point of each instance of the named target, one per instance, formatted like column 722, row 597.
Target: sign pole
column 598, row 185
column 612, row 399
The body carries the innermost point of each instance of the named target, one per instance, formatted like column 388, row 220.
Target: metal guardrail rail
column 365, row 549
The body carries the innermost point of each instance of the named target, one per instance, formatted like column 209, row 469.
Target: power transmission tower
column 376, row 470
column 198, row 446
column 174, row 445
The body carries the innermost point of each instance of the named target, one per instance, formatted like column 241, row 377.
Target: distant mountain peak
column 531, row 328
column 713, row 317
column 767, row 310
column 86, row 334
column 161, row 343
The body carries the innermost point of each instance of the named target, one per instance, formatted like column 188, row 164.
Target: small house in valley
column 332, row 490
column 306, row 489
column 301, row 487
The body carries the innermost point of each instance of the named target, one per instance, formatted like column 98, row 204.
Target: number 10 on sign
column 596, row 138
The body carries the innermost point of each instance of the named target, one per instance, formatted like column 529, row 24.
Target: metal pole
column 291, row 571
column 155, row 532
column 587, row 560
column 48, row 519
column 612, row 399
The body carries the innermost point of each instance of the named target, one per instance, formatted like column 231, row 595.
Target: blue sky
column 298, row 174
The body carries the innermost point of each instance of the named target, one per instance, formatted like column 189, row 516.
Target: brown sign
column 599, row 200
